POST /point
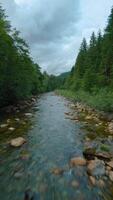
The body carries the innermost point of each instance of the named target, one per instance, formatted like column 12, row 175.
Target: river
column 52, row 140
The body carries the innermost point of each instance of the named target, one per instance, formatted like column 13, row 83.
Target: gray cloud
column 54, row 28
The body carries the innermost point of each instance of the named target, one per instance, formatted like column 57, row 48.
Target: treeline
column 20, row 77
column 94, row 65
column 92, row 73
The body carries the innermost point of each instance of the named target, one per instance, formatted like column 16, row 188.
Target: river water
column 52, row 140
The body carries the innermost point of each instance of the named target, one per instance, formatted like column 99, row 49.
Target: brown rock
column 78, row 161
column 111, row 175
column 110, row 164
column 57, row 171
column 92, row 180
column 96, row 168
column 100, row 183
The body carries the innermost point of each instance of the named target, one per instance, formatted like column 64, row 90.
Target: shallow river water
column 52, row 140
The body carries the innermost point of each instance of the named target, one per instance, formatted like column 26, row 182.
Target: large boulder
column 96, row 168
column 79, row 161
column 17, row 142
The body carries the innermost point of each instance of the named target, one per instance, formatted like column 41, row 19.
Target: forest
column 91, row 78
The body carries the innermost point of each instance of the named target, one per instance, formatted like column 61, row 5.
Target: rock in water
column 92, row 180
column 78, row 161
column 96, row 168
column 57, row 171
column 17, row 142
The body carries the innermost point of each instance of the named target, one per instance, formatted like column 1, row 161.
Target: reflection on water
column 52, row 139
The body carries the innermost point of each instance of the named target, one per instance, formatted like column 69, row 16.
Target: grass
column 102, row 100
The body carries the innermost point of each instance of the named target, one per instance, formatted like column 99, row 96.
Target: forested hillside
column 20, row 77
column 91, row 78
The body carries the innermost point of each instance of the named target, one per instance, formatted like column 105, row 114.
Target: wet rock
column 3, row 125
column 57, row 171
column 11, row 128
column 92, row 180
column 43, row 188
column 111, row 175
column 79, row 161
column 75, row 184
column 96, row 168
column 17, row 142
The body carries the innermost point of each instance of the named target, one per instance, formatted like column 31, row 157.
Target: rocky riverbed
column 54, row 150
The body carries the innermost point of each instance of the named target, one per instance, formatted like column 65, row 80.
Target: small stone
column 100, row 183
column 92, row 180
column 11, row 129
column 17, row 142
column 17, row 119
column 74, row 184
column 88, row 117
column 28, row 114
column 18, row 175
column 57, row 171
column 3, row 125
column 79, row 161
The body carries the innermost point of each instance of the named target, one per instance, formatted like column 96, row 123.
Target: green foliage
column 20, row 77
column 91, row 77
column 101, row 100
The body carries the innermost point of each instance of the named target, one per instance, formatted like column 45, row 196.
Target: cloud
column 54, row 28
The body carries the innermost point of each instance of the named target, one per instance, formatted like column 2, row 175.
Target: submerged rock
column 96, row 168
column 79, row 161
column 57, row 171
column 17, row 142
column 92, row 180
column 74, row 184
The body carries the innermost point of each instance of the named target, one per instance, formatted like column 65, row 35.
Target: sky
column 54, row 29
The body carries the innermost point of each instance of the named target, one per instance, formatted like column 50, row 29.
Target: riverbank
column 100, row 101
column 62, row 153
column 88, row 111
